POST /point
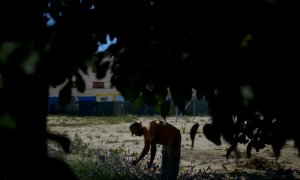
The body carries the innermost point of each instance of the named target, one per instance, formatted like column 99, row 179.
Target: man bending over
column 160, row 132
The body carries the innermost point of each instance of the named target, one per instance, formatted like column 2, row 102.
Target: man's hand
column 134, row 162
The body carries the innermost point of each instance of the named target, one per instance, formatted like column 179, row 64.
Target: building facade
column 99, row 98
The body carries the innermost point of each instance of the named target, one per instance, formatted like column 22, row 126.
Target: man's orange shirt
column 160, row 132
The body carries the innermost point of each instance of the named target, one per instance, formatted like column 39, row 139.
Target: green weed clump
column 102, row 163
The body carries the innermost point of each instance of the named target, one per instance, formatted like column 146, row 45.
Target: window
column 103, row 99
column 98, row 84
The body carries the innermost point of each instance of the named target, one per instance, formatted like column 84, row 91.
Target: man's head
column 137, row 129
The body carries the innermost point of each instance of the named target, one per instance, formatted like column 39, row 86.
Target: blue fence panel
column 87, row 98
column 52, row 101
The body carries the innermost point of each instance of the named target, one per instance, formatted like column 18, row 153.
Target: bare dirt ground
column 204, row 155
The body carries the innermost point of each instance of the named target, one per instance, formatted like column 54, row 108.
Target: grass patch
column 77, row 121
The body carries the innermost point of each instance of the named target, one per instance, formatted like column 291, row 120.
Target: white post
column 194, row 102
column 194, row 108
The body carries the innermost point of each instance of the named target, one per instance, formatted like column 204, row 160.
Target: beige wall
column 89, row 90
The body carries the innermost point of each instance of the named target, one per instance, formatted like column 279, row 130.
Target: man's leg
column 174, row 160
column 164, row 164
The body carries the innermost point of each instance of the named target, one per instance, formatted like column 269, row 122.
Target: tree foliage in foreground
column 240, row 55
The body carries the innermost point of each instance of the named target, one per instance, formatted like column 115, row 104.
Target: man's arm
column 153, row 152
column 144, row 152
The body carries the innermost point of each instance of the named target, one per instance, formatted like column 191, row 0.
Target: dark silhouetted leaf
column 212, row 133
column 80, row 84
column 297, row 144
column 199, row 95
column 101, row 70
column 136, row 103
column 249, row 132
column 277, row 145
column 62, row 140
column 249, row 148
column 57, row 79
column 229, row 151
column 6, row 121
column 180, row 96
column 65, row 94
column 242, row 139
column 83, row 68
column 193, row 133
column 149, row 98
column 131, row 94
column 165, row 109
